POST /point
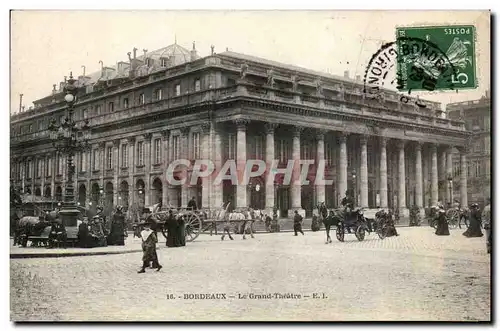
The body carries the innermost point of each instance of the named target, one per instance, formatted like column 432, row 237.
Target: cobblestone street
column 416, row 276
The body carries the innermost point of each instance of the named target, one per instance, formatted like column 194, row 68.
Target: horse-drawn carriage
column 454, row 216
column 350, row 222
column 197, row 221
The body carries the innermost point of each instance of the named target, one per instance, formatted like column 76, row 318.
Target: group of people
column 95, row 233
column 477, row 220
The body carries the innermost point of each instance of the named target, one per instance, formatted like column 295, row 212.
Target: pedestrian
column 442, row 223
column 172, row 226
column 149, row 255
column 83, row 233
column 297, row 223
column 117, row 233
column 226, row 228
column 474, row 229
column 486, row 216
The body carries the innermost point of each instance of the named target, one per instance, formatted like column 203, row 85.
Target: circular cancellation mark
column 408, row 64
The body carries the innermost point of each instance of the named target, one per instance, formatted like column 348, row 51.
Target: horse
column 335, row 216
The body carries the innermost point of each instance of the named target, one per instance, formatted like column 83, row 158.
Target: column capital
column 297, row 130
column 116, row 142
column 131, row 140
column 418, row 146
column 148, row 136
column 165, row 133
column 450, row 149
column 241, row 123
column 101, row 145
column 383, row 141
column 363, row 139
column 320, row 134
column 343, row 137
column 433, row 148
column 185, row 130
column 270, row 127
column 205, row 127
column 463, row 149
column 401, row 144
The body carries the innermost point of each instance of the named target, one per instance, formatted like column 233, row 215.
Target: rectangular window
column 158, row 94
column 40, row 126
column 80, row 161
column 125, row 103
column 109, row 157
column 142, row 100
column 30, row 129
column 487, row 145
column 177, row 89
column 196, row 145
column 175, row 147
column 197, row 85
column 26, row 169
column 30, row 169
column 38, row 168
column 456, row 169
column 85, row 113
column 282, row 150
column 95, row 159
column 124, row 156
column 140, row 153
column 306, row 150
column 487, row 123
column 259, row 147
column 157, row 151
column 477, row 169
column 111, row 107
column 48, row 169
column 163, row 62
column 328, row 154
column 487, row 169
column 231, row 154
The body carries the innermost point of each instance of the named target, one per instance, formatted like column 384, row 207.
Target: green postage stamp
column 436, row 57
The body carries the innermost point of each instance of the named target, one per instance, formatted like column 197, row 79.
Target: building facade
column 477, row 117
column 170, row 104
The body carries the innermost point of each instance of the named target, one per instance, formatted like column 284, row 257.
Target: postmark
column 456, row 41
column 407, row 64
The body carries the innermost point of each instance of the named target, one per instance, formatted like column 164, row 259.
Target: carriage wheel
column 192, row 223
column 360, row 233
column 340, row 232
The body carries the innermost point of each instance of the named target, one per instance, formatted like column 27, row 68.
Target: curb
column 68, row 254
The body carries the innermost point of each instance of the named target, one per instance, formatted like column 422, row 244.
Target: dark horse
column 329, row 220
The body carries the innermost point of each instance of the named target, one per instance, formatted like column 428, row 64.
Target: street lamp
column 450, row 187
column 68, row 138
column 355, row 191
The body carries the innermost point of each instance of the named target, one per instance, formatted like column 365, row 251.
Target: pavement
column 416, row 276
column 131, row 245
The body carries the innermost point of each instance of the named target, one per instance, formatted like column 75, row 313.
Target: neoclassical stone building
column 170, row 104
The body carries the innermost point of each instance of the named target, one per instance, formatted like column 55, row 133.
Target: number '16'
column 461, row 78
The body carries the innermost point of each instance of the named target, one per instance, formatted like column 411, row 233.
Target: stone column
column 43, row 159
column 418, row 179
column 320, row 157
column 442, row 175
column 364, row 173
column 434, row 176
column 166, row 161
column 131, row 170
column 343, row 167
column 270, row 202
column 184, row 150
column 102, row 166
column 116, row 166
column 403, row 211
column 463, row 177
column 52, row 177
column 206, row 181
column 383, row 173
column 147, row 168
column 295, row 188
column 425, row 177
column 449, row 173
column 217, row 158
column 241, row 159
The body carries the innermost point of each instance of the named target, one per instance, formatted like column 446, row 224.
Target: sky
column 47, row 45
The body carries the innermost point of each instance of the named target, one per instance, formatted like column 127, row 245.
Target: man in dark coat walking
column 149, row 240
column 297, row 223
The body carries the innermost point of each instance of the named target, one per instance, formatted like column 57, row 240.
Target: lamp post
column 450, row 187
column 354, row 188
column 69, row 139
